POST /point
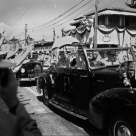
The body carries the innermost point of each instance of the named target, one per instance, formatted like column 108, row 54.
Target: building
column 116, row 24
column 42, row 46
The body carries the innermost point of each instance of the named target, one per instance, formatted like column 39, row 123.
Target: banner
column 107, row 37
column 122, row 37
column 129, row 39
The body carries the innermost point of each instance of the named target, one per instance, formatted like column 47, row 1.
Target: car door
column 76, row 83
column 55, row 80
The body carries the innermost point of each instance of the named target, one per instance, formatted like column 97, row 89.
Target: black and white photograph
column 67, row 67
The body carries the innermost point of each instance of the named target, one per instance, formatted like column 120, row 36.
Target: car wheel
column 45, row 96
column 119, row 126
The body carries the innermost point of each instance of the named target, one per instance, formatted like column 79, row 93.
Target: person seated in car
column 63, row 60
column 94, row 59
column 73, row 64
column 80, row 60
column 111, row 58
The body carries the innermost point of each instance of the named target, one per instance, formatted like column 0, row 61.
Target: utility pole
column 96, row 23
column 25, row 33
column 54, row 35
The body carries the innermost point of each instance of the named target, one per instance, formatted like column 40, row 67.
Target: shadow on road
column 84, row 124
column 40, row 98
column 27, row 84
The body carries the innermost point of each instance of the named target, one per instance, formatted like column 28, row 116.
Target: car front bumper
column 27, row 79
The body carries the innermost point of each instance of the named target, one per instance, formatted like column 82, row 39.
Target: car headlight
column 22, row 70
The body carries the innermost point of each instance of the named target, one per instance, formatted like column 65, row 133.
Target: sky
column 35, row 13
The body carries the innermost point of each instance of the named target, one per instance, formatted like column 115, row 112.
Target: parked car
column 29, row 71
column 94, row 84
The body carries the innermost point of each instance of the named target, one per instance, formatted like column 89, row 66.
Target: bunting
column 121, row 37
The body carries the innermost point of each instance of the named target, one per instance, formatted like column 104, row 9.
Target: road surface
column 52, row 121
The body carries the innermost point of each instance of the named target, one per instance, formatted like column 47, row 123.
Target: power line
column 24, row 12
column 64, row 22
column 63, row 18
column 43, row 30
column 57, row 17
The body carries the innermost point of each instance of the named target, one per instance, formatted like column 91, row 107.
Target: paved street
column 53, row 121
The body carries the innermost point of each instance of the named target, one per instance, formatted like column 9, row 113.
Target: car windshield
column 70, row 57
column 107, row 57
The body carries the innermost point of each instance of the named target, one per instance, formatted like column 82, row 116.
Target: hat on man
column 3, row 63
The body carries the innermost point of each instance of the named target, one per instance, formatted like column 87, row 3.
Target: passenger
column 111, row 59
column 73, row 64
column 80, row 60
column 94, row 60
column 63, row 60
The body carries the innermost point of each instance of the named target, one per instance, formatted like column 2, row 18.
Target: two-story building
column 116, row 24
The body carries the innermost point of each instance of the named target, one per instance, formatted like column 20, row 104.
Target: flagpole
column 96, row 23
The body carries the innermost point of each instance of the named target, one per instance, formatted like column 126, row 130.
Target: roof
column 115, row 5
column 111, row 12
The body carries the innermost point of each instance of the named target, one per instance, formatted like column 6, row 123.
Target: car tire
column 46, row 96
column 120, row 126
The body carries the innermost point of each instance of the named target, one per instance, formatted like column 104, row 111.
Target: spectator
column 17, row 122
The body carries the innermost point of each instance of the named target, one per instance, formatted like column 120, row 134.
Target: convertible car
column 94, row 84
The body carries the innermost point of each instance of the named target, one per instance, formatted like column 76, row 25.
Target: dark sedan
column 94, row 84
column 29, row 71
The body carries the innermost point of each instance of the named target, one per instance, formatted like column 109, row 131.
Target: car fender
column 45, row 80
column 110, row 102
column 41, row 80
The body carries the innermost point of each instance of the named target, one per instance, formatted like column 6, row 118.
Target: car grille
column 31, row 71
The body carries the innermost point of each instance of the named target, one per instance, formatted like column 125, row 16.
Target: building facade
column 42, row 47
column 116, row 24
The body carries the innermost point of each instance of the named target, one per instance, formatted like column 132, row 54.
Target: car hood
column 106, row 78
column 108, row 71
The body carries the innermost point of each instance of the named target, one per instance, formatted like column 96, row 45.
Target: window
column 130, row 21
column 114, row 20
